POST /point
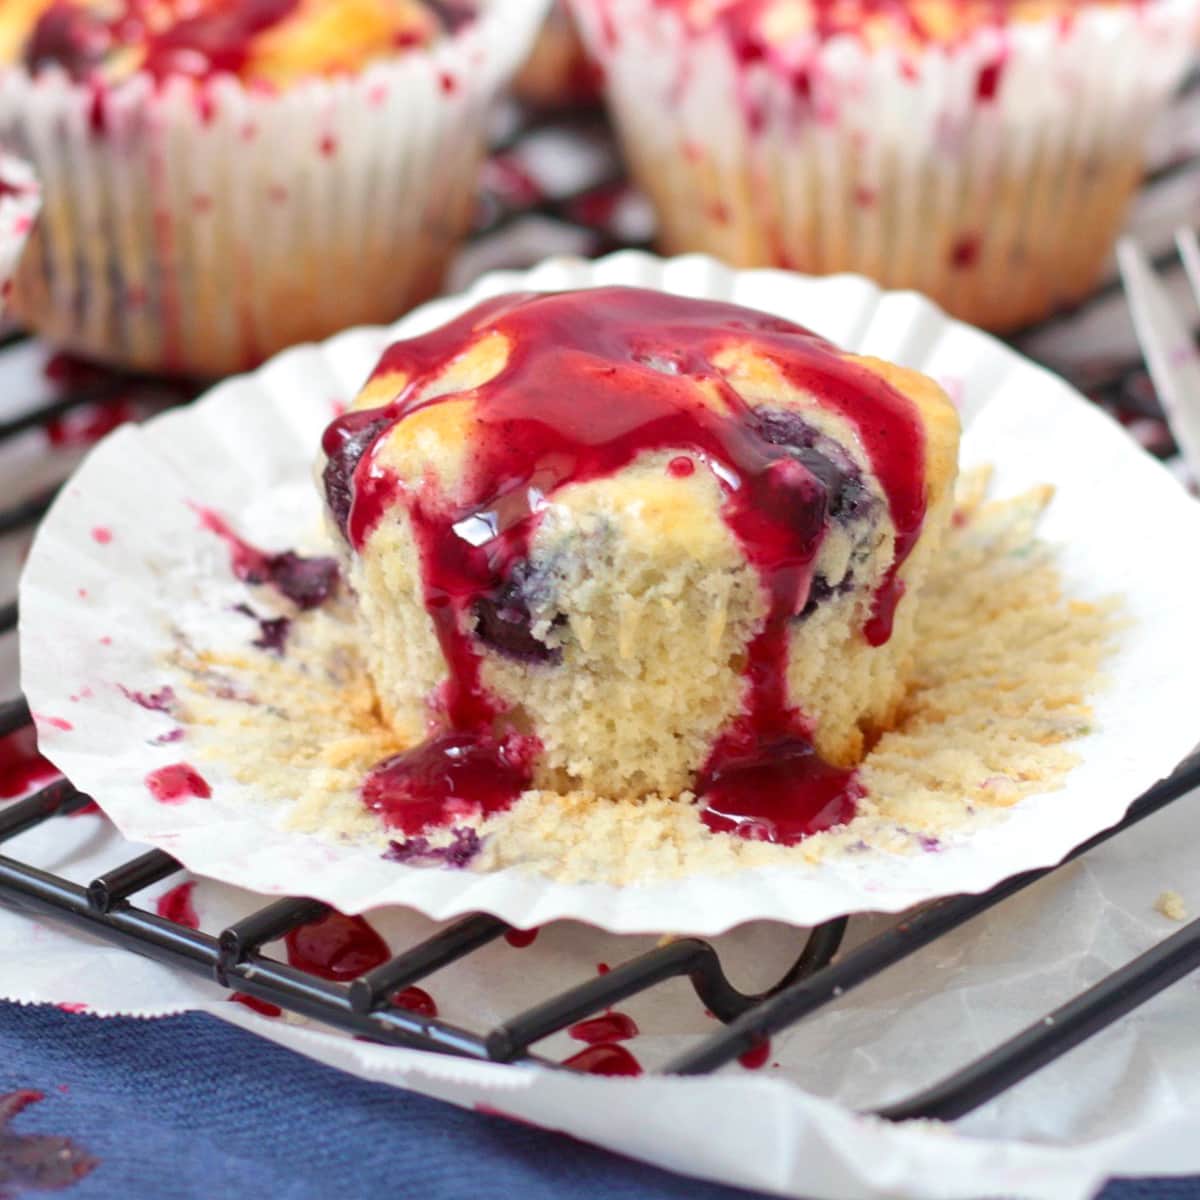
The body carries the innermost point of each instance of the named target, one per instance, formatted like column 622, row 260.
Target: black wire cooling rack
column 234, row 956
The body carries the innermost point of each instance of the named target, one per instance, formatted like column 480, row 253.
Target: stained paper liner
column 120, row 563
column 20, row 201
column 200, row 228
column 992, row 174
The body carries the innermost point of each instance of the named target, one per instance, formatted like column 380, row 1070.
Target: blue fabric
column 192, row 1107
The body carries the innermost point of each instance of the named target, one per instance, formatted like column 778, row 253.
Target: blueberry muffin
column 983, row 152
column 215, row 171
column 631, row 543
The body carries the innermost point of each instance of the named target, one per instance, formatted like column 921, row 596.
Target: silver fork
column 1166, row 341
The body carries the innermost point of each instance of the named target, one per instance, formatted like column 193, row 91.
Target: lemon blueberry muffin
column 633, row 544
column 216, row 171
column 981, row 151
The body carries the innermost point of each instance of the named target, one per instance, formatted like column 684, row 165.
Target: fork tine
column 1189, row 253
column 1168, row 348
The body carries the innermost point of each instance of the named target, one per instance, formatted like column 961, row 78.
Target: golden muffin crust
column 266, row 42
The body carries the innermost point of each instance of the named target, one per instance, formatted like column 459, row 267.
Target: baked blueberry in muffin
column 631, row 543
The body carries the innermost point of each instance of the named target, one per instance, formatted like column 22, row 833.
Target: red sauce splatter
column 416, row 1000
column 177, row 783
column 88, row 424
column 965, row 252
column 607, row 1027
column 987, row 85
column 336, row 947
column 265, row 1007
column 216, row 39
column 756, row 1057
column 447, row 777
column 176, row 905
column 22, row 768
column 602, row 968
column 604, row 1059
column 681, row 467
column 102, row 534
column 60, row 723
column 781, row 792
column 593, row 380
column 521, row 937
column 36, row 1162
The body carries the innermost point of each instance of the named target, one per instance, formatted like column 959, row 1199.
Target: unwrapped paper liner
column 98, row 613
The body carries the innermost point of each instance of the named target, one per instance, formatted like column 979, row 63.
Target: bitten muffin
column 981, row 151
column 630, row 543
column 215, row 171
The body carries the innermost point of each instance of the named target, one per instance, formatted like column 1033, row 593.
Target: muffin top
column 761, row 25
column 266, row 42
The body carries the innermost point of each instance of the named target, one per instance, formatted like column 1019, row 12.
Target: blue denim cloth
column 192, row 1107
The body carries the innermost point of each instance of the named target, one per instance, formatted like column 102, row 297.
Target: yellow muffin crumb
column 1172, row 906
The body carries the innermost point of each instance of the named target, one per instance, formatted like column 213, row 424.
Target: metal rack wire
column 235, row 958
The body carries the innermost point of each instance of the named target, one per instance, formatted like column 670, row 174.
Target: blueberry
column 849, row 498
column 345, row 442
column 503, row 619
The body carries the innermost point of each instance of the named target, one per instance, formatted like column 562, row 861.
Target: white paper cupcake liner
column 992, row 175
column 20, row 202
column 201, row 228
column 98, row 615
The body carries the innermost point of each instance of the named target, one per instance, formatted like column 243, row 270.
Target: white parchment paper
column 121, row 562
column 1127, row 1102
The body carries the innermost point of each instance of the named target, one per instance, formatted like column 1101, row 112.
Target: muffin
column 558, row 72
column 216, row 172
column 20, row 200
column 628, row 543
column 980, row 151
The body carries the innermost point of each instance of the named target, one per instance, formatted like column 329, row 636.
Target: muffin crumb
column 1171, row 905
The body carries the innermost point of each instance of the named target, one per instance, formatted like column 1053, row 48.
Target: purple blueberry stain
column 306, row 582
column 272, row 631
column 36, row 1162
column 463, row 846
column 161, row 700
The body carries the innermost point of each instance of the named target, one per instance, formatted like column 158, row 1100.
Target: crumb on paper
column 1004, row 664
column 1172, row 906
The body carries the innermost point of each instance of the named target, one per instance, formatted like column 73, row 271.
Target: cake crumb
column 1171, row 905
